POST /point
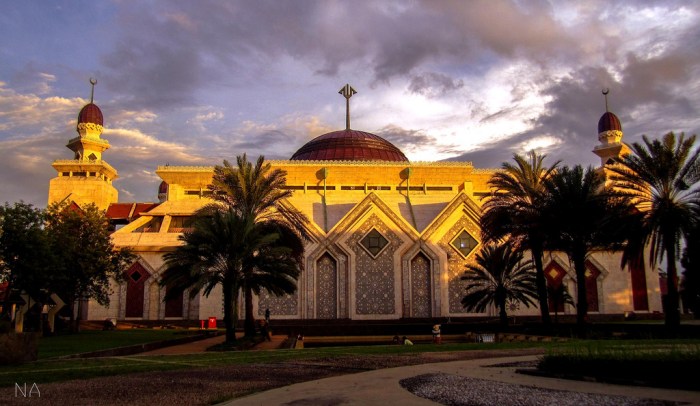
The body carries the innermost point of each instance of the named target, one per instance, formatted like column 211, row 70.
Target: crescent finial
column 605, row 94
column 93, row 82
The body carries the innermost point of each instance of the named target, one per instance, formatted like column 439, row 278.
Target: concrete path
column 381, row 387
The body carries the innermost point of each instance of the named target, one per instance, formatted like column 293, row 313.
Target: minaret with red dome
column 86, row 178
column 610, row 136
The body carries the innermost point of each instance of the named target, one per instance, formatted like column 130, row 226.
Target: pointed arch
column 595, row 274
column 557, row 274
column 326, row 290
column 410, row 271
column 136, row 290
column 421, row 286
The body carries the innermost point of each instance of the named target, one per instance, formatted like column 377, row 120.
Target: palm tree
column 226, row 248
column 275, row 265
column 499, row 276
column 662, row 179
column 583, row 216
column 257, row 192
column 513, row 212
column 213, row 254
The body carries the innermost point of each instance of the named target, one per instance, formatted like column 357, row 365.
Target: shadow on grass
column 658, row 365
column 241, row 344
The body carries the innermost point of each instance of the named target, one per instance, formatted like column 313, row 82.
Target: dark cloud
column 432, row 84
column 150, row 74
column 164, row 57
column 273, row 144
column 406, row 140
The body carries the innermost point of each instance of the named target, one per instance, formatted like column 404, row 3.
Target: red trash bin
column 212, row 323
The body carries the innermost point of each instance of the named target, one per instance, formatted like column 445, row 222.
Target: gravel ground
column 205, row 386
column 455, row 390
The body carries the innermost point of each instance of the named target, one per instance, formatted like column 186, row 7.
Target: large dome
column 609, row 122
column 349, row 145
column 90, row 114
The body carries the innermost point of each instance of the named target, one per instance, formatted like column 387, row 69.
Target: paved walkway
column 381, row 387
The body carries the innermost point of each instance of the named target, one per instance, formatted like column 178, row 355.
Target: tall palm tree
column 583, row 216
column 499, row 276
column 662, row 177
column 228, row 249
column 257, row 192
column 213, row 254
column 513, row 212
column 274, row 266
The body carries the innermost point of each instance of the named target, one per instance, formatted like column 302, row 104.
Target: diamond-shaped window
column 464, row 243
column 135, row 276
column 374, row 242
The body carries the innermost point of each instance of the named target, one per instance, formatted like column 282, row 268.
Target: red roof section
column 608, row 122
column 90, row 113
column 130, row 211
column 349, row 145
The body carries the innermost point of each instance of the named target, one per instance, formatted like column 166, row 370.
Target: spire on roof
column 93, row 82
column 605, row 94
column 347, row 91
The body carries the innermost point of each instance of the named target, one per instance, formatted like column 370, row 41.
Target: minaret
column 609, row 135
column 86, row 178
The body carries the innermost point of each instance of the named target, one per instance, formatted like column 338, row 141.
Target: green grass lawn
column 56, row 370
column 663, row 363
column 88, row 341
column 53, row 370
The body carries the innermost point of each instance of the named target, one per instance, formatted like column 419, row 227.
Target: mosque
column 390, row 237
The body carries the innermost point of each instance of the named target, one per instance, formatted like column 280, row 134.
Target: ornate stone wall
column 374, row 276
column 456, row 263
column 420, row 286
column 285, row 305
column 326, row 288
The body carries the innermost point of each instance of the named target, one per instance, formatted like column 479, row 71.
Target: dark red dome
column 349, row 145
column 90, row 114
column 163, row 187
column 609, row 122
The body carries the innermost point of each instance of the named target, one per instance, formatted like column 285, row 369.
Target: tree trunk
column 71, row 319
column 503, row 315
column 673, row 315
column 541, row 282
column 230, row 313
column 249, row 324
column 579, row 260
column 78, row 316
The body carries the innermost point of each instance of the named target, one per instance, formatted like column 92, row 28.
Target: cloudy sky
column 195, row 82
